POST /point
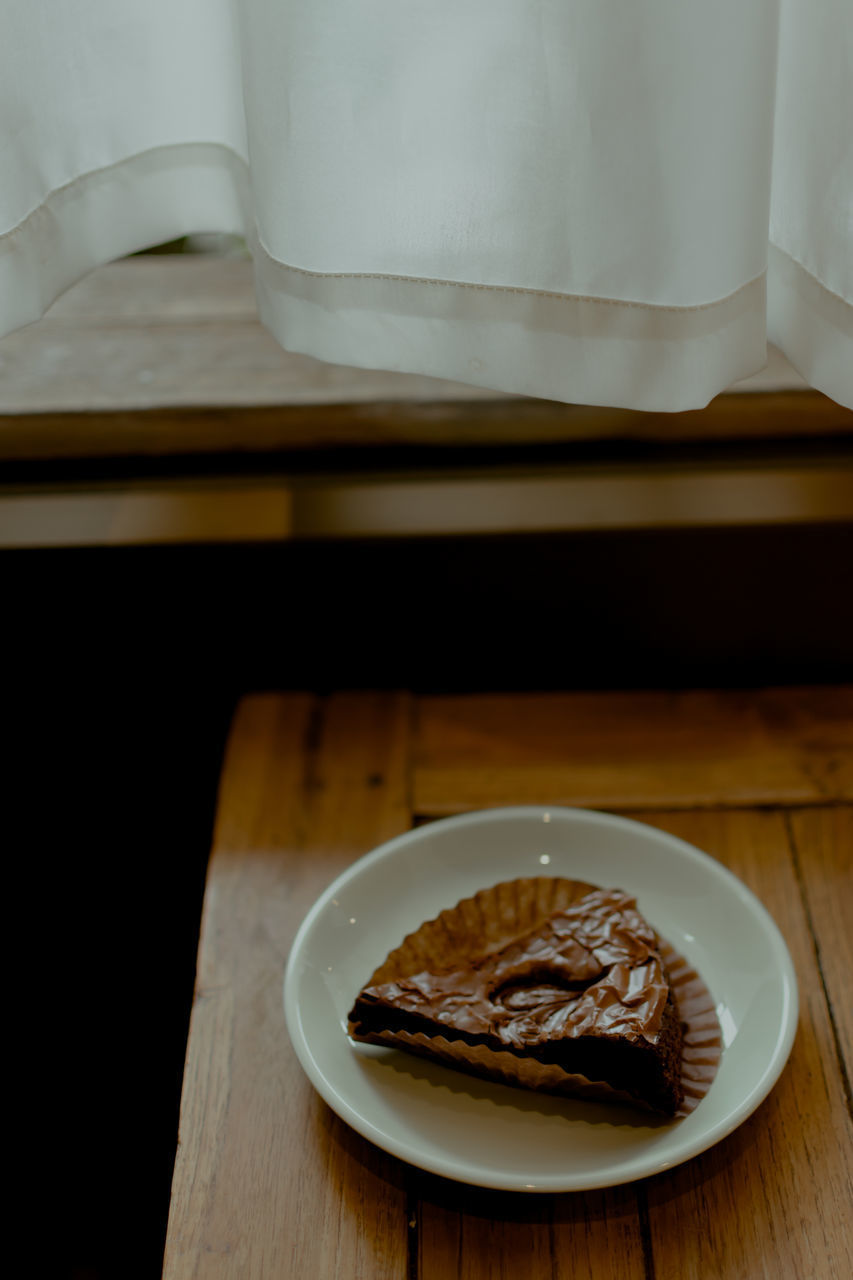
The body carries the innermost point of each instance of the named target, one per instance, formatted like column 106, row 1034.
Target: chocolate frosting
column 592, row 969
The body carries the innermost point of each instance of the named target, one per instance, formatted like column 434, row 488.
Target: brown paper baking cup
column 703, row 1039
column 488, row 921
column 478, row 925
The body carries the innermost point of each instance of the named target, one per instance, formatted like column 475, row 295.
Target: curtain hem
column 525, row 342
column 145, row 200
column 812, row 325
column 551, row 346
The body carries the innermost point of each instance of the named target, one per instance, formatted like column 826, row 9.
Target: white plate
column 492, row 1135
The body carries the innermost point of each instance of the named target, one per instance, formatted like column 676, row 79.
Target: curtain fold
column 596, row 203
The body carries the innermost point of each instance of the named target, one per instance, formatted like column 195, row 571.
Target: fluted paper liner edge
column 486, row 922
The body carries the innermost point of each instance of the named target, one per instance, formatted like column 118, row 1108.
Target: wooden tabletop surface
column 270, row 1183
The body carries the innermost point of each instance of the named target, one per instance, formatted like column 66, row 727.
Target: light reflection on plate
column 489, row 1134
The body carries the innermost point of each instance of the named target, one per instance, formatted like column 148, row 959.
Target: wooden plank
column 489, row 1235
column 137, row 515
column 772, row 1199
column 221, row 362
column 263, row 509
column 196, row 392
column 159, row 289
column 226, row 427
column 267, row 1182
column 635, row 750
column 823, row 849
column 544, row 499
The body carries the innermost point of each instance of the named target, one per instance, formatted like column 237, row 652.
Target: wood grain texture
column 475, row 1234
column 822, row 841
column 774, row 1198
column 635, row 750
column 266, row 1182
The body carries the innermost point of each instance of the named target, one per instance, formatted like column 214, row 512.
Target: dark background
column 123, row 666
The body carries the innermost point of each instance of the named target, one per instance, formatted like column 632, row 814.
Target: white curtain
column 597, row 201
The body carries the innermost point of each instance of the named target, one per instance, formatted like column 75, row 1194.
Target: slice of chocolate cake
column 544, row 983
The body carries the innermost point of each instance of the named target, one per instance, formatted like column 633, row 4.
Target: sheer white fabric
column 595, row 201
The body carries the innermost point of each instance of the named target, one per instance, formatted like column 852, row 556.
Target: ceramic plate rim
column 478, row 1175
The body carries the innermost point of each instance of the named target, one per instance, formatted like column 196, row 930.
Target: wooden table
column 269, row 1183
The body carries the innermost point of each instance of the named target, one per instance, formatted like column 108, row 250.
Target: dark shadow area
column 639, row 609
column 122, row 670
column 416, row 458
